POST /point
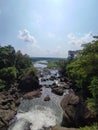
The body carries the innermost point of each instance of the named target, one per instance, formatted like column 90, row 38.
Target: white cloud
column 26, row 36
column 79, row 40
column 31, row 47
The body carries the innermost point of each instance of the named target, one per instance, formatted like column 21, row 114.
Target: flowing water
column 37, row 114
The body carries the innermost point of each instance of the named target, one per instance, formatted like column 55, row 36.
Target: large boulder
column 58, row 91
column 7, row 109
column 70, row 106
column 31, row 95
column 76, row 113
column 29, row 82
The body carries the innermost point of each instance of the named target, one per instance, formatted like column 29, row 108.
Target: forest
column 13, row 65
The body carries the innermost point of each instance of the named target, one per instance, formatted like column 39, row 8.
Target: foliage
column 84, row 71
column 2, row 85
column 12, row 65
column 93, row 102
column 8, row 74
column 22, row 61
column 7, row 56
column 29, row 69
column 62, row 66
column 93, row 127
column 52, row 64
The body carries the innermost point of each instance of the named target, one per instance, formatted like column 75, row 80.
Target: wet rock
column 47, row 98
column 5, row 117
column 70, row 106
column 76, row 113
column 17, row 103
column 52, row 78
column 43, row 79
column 7, row 109
column 29, row 82
column 32, row 94
column 62, row 79
column 58, row 91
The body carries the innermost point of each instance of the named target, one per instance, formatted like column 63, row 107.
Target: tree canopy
column 12, row 65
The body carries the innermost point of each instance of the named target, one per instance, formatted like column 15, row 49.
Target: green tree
column 22, row 61
column 7, row 56
column 8, row 74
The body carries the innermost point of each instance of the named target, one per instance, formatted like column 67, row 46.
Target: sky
column 47, row 28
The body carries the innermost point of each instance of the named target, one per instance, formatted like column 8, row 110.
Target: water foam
column 38, row 118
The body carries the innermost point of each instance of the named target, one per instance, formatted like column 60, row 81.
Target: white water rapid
column 37, row 119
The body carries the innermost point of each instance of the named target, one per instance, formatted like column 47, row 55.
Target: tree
column 8, row 74
column 22, row 61
column 84, row 71
column 7, row 56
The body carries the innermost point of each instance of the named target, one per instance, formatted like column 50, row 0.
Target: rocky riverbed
column 43, row 102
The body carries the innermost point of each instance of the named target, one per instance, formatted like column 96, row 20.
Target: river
column 37, row 114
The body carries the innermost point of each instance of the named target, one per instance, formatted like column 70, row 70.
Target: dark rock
column 29, row 82
column 76, row 113
column 32, row 94
column 5, row 117
column 69, row 105
column 47, row 98
column 52, row 78
column 58, row 91
column 17, row 103
column 43, row 79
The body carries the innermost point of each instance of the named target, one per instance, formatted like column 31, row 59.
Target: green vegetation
column 52, row 64
column 84, row 71
column 93, row 127
column 13, row 65
column 2, row 85
column 62, row 66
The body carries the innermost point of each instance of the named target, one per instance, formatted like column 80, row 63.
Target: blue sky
column 47, row 27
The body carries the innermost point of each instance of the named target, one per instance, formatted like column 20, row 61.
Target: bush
column 93, row 127
column 8, row 74
column 27, row 70
column 2, row 85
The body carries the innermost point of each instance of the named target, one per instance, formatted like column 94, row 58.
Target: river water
column 37, row 114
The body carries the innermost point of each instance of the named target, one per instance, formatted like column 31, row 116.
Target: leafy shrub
column 29, row 69
column 93, row 127
column 8, row 74
column 2, row 85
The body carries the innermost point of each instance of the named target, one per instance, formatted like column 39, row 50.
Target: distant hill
column 46, row 58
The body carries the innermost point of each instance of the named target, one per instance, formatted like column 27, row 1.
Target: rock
column 47, row 98
column 5, row 117
column 70, row 107
column 17, row 103
column 32, row 94
column 29, row 82
column 76, row 113
column 66, row 86
column 58, row 91
column 7, row 109
column 52, row 78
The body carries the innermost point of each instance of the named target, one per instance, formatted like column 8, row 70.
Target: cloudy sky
column 47, row 28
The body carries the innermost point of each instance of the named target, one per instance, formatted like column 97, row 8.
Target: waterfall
column 36, row 114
